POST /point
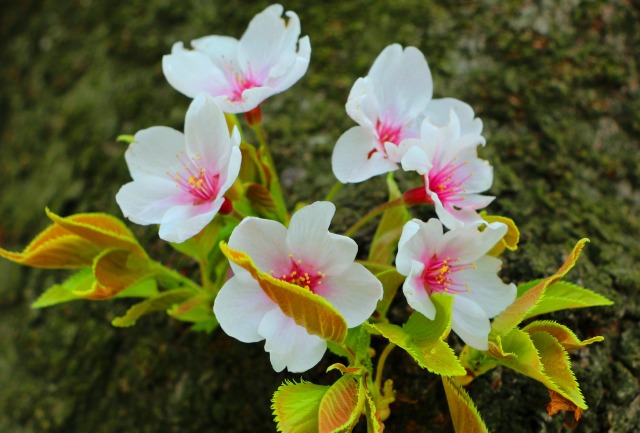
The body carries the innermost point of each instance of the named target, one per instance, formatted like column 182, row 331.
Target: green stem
column 372, row 214
column 380, row 367
column 333, row 191
column 172, row 279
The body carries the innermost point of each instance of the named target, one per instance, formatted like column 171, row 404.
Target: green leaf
column 562, row 295
column 557, row 367
column 564, row 335
column 464, row 414
column 197, row 310
column 142, row 289
column 475, row 362
column 64, row 292
column 127, row 139
column 199, row 246
column 509, row 240
column 516, row 312
column 296, row 405
column 261, row 201
column 161, row 302
column 374, row 423
column 341, row 405
column 391, row 280
column 423, row 339
column 387, row 235
column 542, row 358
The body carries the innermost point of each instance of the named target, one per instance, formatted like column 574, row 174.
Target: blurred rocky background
column 555, row 82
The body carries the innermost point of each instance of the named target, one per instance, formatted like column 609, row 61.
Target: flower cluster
column 180, row 182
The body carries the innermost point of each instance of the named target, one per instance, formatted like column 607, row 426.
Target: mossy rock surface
column 555, row 82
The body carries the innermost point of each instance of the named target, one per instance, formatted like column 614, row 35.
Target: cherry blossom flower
column 308, row 256
column 455, row 263
column 453, row 174
column 389, row 105
column 179, row 180
column 240, row 74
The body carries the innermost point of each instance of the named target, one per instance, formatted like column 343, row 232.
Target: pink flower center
column 302, row 275
column 240, row 82
column 388, row 132
column 439, row 276
column 448, row 182
column 201, row 185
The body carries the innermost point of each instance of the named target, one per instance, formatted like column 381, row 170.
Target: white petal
column 416, row 159
column 485, row 287
column 362, row 105
column 207, row 135
column 264, row 241
column 192, row 72
column 146, row 200
column 154, row 151
column 468, row 244
column 417, row 242
column 438, row 112
column 309, row 240
column 354, row 293
column 180, row 223
column 351, row 160
column 471, row 323
column 403, row 83
column 220, row 49
column 444, row 214
column 229, row 176
column 240, row 306
column 264, row 41
column 417, row 296
column 286, row 74
column 479, row 178
column 289, row 345
column 251, row 98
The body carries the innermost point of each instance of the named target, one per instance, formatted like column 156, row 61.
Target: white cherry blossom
column 179, row 180
column 453, row 174
column 456, row 263
column 241, row 74
column 389, row 105
column 306, row 255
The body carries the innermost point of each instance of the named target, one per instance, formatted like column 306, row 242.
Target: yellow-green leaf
column 161, row 302
column 423, row 339
column 55, row 248
column 475, row 362
column 198, row 309
column 101, row 229
column 563, row 295
column 542, row 358
column 311, row 311
column 296, row 406
column 464, row 414
column 341, row 405
column 385, row 240
column 114, row 270
column 557, row 367
column 564, row 335
column 64, row 292
column 516, row 312
column 374, row 422
column 509, row 240
column 261, row 200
